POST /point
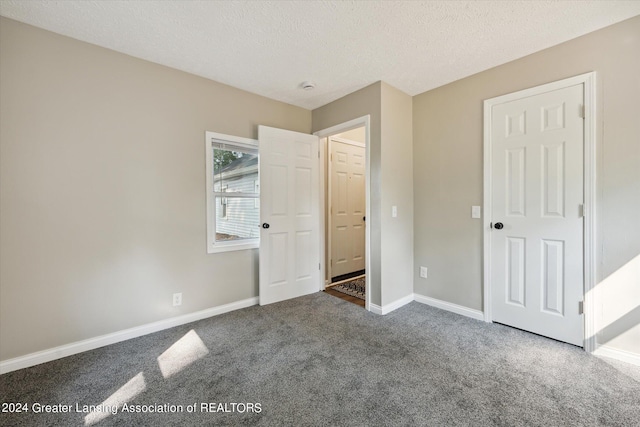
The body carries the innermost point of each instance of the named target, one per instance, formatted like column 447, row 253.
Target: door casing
column 323, row 135
column 588, row 80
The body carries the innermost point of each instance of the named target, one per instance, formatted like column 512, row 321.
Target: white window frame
column 223, row 203
column 230, row 245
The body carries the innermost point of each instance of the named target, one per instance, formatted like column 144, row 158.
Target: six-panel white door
column 289, row 240
column 347, row 206
column 537, row 196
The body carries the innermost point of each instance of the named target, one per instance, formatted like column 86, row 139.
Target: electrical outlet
column 177, row 299
column 423, row 272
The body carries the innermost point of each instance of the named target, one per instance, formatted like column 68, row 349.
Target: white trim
column 325, row 133
column 346, row 126
column 375, row 309
column 590, row 264
column 614, row 353
column 386, row 309
column 231, row 246
column 212, row 246
column 327, row 212
column 588, row 80
column 55, row 353
column 324, row 278
column 486, row 208
column 397, row 304
column 448, row 306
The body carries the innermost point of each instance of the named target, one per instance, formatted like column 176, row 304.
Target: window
column 233, row 193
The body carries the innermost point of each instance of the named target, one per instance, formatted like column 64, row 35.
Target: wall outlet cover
column 423, row 272
column 177, row 299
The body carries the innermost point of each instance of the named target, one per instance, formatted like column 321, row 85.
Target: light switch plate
column 476, row 212
column 394, row 211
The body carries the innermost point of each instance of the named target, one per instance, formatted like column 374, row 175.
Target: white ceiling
column 270, row 47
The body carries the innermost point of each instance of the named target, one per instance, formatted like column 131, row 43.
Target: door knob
column 265, row 225
column 499, row 226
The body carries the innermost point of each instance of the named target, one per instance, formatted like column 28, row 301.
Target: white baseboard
column 115, row 337
column 454, row 308
column 376, row 309
column 614, row 353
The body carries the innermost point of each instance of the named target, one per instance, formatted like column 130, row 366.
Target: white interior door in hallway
column 537, row 196
column 289, row 214
column 346, row 206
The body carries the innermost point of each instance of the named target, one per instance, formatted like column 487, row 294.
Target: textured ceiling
column 270, row 47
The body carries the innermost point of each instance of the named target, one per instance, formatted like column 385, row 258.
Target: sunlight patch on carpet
column 181, row 354
column 124, row 394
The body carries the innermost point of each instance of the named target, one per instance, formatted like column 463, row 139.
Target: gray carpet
column 318, row 360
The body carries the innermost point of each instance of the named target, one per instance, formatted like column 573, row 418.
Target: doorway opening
column 344, row 196
column 345, row 214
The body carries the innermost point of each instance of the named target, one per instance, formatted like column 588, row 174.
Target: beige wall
column 102, row 183
column 447, row 126
column 397, row 190
column 391, row 183
column 363, row 102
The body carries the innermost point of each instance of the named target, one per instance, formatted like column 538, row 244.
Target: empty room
column 320, row 213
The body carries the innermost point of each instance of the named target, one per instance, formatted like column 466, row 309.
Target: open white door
column 289, row 240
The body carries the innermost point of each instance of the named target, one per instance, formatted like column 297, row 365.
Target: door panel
column 537, row 191
column 347, row 205
column 515, row 266
column 553, row 277
column 289, row 248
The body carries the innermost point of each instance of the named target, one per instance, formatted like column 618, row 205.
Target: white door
column 289, row 240
column 536, row 212
column 347, row 207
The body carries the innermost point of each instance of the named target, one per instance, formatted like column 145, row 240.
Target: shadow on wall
column 623, row 324
column 618, row 310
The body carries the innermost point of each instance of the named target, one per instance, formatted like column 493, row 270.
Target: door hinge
column 331, row 157
column 319, row 266
column 580, row 307
column 582, row 111
column 318, row 153
column 581, row 212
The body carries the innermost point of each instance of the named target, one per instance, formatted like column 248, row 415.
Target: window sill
column 233, row 246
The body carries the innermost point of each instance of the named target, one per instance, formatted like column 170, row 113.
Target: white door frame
column 326, row 212
column 589, row 264
column 325, row 133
